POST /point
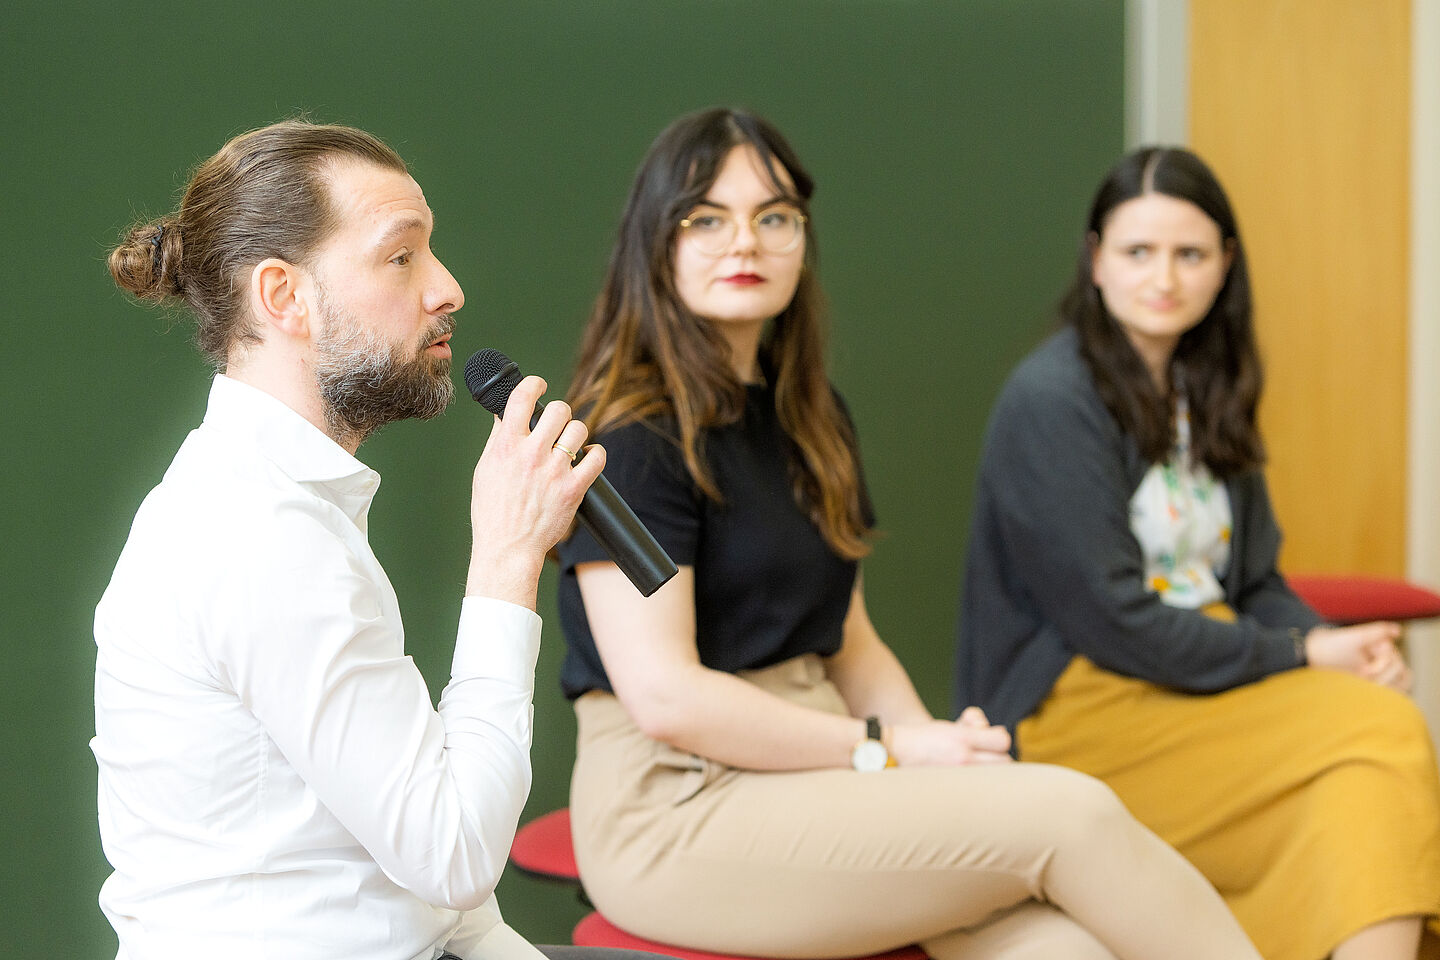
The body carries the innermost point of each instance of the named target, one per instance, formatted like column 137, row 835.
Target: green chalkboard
column 954, row 141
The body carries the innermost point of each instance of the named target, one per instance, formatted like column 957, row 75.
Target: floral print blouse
column 1181, row 515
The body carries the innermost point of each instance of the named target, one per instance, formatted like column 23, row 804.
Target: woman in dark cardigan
column 1123, row 613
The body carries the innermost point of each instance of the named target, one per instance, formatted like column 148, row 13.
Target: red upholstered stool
column 595, row 931
column 1345, row 599
column 542, row 848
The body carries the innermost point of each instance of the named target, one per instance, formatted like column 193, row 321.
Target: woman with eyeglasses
column 755, row 771
column 1123, row 610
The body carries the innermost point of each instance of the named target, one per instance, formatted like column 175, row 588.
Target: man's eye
column 402, row 260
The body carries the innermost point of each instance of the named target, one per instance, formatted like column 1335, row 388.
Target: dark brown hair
column 645, row 354
column 1218, row 359
column 264, row 194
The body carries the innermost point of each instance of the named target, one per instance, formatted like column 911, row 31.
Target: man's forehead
column 372, row 201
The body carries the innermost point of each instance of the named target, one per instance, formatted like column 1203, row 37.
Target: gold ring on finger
column 565, row 450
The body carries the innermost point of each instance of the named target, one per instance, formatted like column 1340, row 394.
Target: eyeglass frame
column 686, row 223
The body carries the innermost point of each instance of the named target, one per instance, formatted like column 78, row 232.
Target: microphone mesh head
column 491, row 377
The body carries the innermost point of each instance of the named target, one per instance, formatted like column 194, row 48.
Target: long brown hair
column 645, row 354
column 1218, row 358
column 263, row 194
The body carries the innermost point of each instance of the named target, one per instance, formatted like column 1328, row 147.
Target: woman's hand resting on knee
column 1367, row 650
column 970, row 739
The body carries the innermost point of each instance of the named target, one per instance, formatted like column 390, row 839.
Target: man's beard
column 364, row 384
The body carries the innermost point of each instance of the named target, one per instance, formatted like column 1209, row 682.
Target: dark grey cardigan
column 1054, row 571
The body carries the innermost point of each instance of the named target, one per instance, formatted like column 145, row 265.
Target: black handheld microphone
column 491, row 377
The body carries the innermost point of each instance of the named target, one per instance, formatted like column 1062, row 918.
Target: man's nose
column 445, row 295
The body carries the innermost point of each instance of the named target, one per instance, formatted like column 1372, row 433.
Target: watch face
column 869, row 756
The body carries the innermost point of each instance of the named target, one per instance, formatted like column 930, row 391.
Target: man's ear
column 282, row 298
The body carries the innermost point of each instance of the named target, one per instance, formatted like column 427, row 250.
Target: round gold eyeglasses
column 777, row 229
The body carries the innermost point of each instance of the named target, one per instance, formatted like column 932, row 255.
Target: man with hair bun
column 273, row 780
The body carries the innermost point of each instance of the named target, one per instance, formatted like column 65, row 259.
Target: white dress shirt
column 274, row 782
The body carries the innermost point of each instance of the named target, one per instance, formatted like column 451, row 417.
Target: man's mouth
column 439, row 345
column 441, row 333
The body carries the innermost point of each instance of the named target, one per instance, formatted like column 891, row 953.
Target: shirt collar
column 295, row 445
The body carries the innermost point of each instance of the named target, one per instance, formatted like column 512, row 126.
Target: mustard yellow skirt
column 1309, row 799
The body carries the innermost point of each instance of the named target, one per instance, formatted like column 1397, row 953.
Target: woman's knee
column 1406, row 724
column 1081, row 804
column 1392, row 729
column 1068, row 817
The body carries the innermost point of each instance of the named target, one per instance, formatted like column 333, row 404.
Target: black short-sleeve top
column 767, row 586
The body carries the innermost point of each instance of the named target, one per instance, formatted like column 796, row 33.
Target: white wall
column 1157, row 67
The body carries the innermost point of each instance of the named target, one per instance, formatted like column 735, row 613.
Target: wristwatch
column 870, row 755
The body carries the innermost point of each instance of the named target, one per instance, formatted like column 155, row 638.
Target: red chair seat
column 542, row 847
column 594, row 930
column 1345, row 599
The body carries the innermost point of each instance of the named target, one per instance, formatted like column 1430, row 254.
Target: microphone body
column 491, row 377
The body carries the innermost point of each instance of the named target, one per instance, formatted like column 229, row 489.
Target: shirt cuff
column 496, row 639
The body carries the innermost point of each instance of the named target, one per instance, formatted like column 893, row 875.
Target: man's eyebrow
column 397, row 228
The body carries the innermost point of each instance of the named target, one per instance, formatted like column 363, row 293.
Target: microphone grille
column 491, row 377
